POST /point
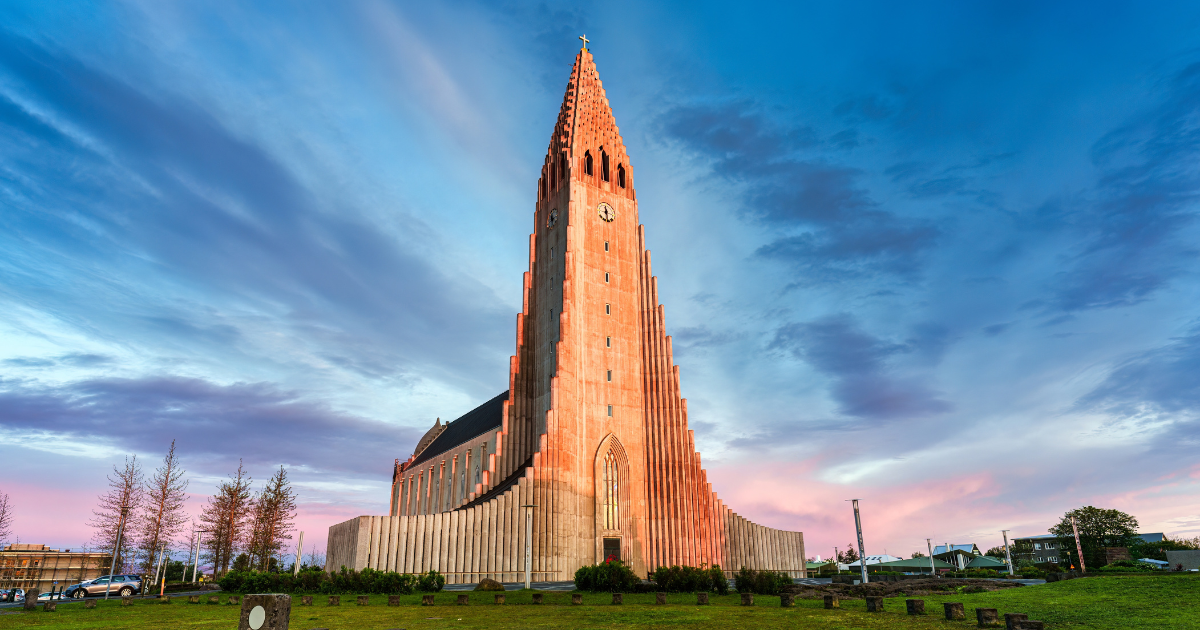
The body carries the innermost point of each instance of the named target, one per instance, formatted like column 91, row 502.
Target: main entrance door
column 612, row 549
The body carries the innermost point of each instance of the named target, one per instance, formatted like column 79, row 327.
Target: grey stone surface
column 265, row 611
column 618, row 598
column 874, row 604
column 747, row 599
column 915, row 606
column 954, row 611
column 831, row 601
column 701, row 599
column 1011, row 619
column 986, row 617
column 660, row 599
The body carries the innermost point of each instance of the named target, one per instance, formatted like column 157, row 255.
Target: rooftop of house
column 969, row 548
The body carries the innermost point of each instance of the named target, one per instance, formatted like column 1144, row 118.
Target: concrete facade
column 592, row 428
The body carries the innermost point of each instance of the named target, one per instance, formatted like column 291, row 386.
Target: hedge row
column 317, row 581
column 761, row 582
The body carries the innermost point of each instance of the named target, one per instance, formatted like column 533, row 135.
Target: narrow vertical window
column 562, row 166
column 612, row 488
column 603, row 165
column 606, row 276
column 608, row 309
column 605, row 245
column 621, row 175
column 608, row 342
column 587, row 162
column 610, row 411
column 551, row 253
column 610, row 376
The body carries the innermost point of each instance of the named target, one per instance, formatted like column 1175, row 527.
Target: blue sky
column 940, row 257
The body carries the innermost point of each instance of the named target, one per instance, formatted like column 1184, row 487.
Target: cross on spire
column 585, row 40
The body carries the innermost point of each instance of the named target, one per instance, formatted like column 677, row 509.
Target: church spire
column 586, row 144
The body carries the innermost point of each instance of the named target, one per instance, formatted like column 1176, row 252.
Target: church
column 590, row 439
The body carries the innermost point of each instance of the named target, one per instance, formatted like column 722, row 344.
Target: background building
column 39, row 567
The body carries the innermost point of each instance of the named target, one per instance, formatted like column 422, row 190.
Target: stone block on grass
column 91, row 603
column 1029, row 624
column 306, row 600
column 393, row 600
column 787, row 600
column 701, row 599
column 986, row 617
column 49, row 606
column 31, row 599
column 660, row 599
column 954, row 611
column 618, row 599
column 1011, row 619
column 364, row 600
column 214, row 599
column 831, row 601
column 464, row 599
column 127, row 601
column 915, row 606
column 427, row 600
column 265, row 611
column 235, row 599
column 499, row 599
column 164, row 599
column 747, row 599
column 335, row 600
column 537, row 598
column 576, row 599
column 193, row 599
column 874, row 604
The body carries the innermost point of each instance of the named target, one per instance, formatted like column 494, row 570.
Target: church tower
column 592, row 429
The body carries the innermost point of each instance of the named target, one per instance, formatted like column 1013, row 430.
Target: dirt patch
column 905, row 588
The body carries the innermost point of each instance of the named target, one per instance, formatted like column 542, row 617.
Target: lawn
column 1108, row 603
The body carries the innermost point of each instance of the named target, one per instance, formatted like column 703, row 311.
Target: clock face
column 606, row 212
column 553, row 218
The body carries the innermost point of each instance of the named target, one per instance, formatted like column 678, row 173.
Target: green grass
column 1101, row 603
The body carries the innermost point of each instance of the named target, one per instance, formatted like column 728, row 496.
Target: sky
column 938, row 257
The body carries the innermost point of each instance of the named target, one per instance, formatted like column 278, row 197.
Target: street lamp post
column 116, row 550
column 299, row 551
column 196, row 563
column 1007, row 555
column 862, row 550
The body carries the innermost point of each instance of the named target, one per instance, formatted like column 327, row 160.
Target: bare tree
column 225, row 517
column 124, row 492
column 5, row 519
column 162, row 516
column 274, row 515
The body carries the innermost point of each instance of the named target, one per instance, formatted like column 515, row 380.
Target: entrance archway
column 613, row 531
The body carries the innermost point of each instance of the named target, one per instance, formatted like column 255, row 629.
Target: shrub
column 614, row 576
column 684, row 579
column 317, row 581
column 431, row 582
column 1127, row 566
column 988, row 573
column 760, row 582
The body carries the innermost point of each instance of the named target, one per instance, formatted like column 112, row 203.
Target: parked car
column 120, row 585
column 13, row 595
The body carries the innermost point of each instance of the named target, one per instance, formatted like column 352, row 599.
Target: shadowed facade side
column 592, row 429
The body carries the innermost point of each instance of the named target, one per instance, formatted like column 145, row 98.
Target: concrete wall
column 488, row 540
column 1190, row 559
